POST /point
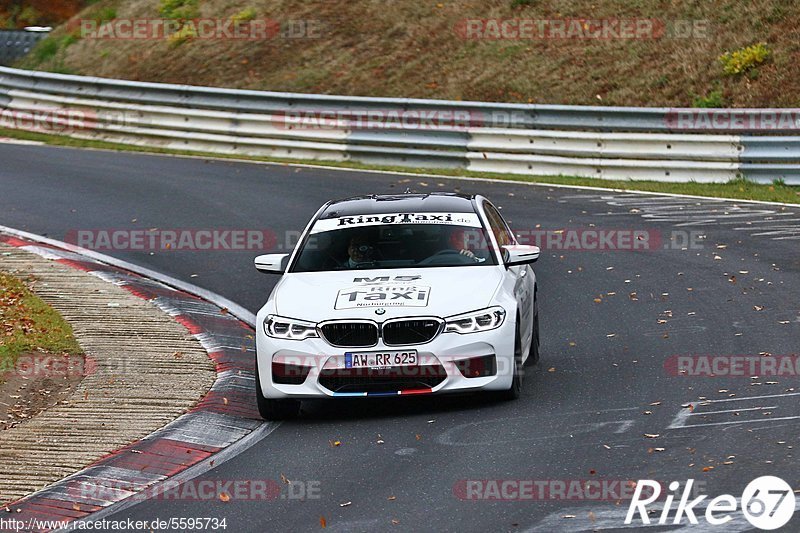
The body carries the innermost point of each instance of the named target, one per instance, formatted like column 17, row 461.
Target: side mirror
column 520, row 254
column 272, row 263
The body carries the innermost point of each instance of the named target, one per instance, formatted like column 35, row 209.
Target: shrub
column 745, row 59
column 712, row 99
column 179, row 9
column 105, row 14
column 245, row 15
column 186, row 33
column 45, row 49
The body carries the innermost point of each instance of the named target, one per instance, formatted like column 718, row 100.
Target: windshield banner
column 382, row 219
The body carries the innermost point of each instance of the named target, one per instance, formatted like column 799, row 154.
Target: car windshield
column 375, row 244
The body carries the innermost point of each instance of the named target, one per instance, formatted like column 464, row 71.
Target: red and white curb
column 226, row 415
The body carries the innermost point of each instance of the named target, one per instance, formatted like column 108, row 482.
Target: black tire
column 533, row 354
column 516, row 384
column 270, row 409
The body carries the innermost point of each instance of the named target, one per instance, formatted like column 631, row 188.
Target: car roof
column 436, row 202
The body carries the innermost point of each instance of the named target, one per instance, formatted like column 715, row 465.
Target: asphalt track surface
column 600, row 387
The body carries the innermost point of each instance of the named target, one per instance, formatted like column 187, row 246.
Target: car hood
column 384, row 294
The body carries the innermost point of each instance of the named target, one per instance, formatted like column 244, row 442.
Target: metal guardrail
column 664, row 144
column 16, row 43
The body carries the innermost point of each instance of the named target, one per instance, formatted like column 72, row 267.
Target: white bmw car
column 397, row 295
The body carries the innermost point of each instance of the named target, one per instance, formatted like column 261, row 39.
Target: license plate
column 380, row 359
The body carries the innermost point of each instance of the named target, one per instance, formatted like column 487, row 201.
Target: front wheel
column 270, row 409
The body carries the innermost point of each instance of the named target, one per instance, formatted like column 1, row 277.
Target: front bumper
column 446, row 352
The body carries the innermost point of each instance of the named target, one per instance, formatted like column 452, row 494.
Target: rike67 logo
column 767, row 502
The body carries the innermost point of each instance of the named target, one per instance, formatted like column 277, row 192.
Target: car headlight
column 482, row 320
column 289, row 328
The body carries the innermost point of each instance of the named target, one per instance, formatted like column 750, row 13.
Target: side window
column 497, row 225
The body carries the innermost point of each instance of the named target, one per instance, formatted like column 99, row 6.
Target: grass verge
column 738, row 189
column 28, row 324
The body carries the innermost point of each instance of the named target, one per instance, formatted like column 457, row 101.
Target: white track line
column 748, row 398
column 703, row 413
column 735, row 422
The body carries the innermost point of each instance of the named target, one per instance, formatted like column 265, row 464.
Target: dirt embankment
column 606, row 52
